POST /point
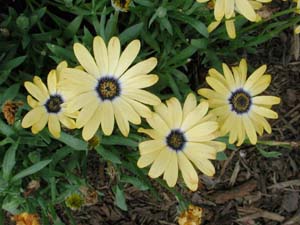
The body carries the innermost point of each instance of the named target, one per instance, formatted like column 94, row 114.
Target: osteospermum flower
column 235, row 101
column 26, row 219
column 47, row 104
column 180, row 136
column 106, row 90
column 228, row 8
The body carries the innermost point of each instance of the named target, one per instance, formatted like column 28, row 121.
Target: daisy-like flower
column 235, row 101
column 180, row 136
column 106, row 90
column 47, row 104
column 227, row 9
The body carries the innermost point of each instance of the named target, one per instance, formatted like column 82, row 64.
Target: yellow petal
column 261, row 85
column 107, row 118
column 175, row 109
column 113, row 52
column 254, row 77
column 86, row 60
column 35, row 92
column 91, row 127
column 213, row 25
column 127, row 57
column 147, row 147
column 171, row 171
column 66, row 121
column 250, row 130
column 140, row 108
column 80, row 101
column 230, row 28
column 228, row 76
column 245, row 8
column 160, row 163
column 32, row 102
column 229, row 8
column 51, row 82
column 39, row 83
column 266, row 100
column 86, row 114
column 217, row 86
column 205, row 166
column 195, row 116
column 101, row 56
column 189, row 105
column 33, row 116
column 40, row 124
column 53, row 125
column 202, row 129
column 268, row 113
column 146, row 160
column 243, row 69
column 151, row 132
column 140, row 68
column 219, row 9
column 142, row 96
column 217, row 145
column 121, row 120
column 139, row 82
column 128, row 112
column 158, row 124
column 188, row 172
column 199, row 151
column 165, row 114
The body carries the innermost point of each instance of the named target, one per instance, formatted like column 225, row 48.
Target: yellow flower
column 47, row 104
column 74, row 201
column 26, row 219
column 235, row 102
column 121, row 5
column 180, row 135
column 227, row 9
column 107, row 90
column 192, row 216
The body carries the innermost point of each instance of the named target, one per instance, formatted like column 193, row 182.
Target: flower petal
column 86, row 60
column 160, row 163
column 175, row 109
column 189, row 105
column 141, row 68
column 54, row 125
column 51, row 82
column 121, row 120
column 33, row 116
column 150, row 146
column 35, row 92
column 113, row 52
column 171, row 171
column 101, row 56
column 86, row 114
column 195, row 116
column 40, row 124
column 107, row 118
column 91, row 127
column 188, row 172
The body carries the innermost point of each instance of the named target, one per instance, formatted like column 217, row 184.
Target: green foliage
column 36, row 35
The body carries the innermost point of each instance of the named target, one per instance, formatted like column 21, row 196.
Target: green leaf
column 108, row 154
column 6, row 129
column 120, row 200
column 196, row 24
column 138, row 183
column 73, row 27
column 270, row 154
column 73, row 142
column 10, row 93
column 221, row 156
column 13, row 63
column 11, row 204
column 9, row 160
column 111, row 26
column 31, row 170
column 118, row 140
column 131, row 32
column 200, row 43
column 183, row 55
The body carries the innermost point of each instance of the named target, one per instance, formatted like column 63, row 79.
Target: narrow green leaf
column 118, row 140
column 268, row 154
column 73, row 27
column 200, row 43
column 73, row 142
column 221, row 156
column 138, row 183
column 9, row 160
column 13, row 63
column 108, row 154
column 6, row 129
column 31, row 170
column 120, row 200
column 10, row 93
column 131, row 32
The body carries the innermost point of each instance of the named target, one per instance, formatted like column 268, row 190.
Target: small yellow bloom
column 121, row 5
column 108, row 89
column 235, row 101
column 181, row 135
column 297, row 29
column 26, row 219
column 47, row 104
column 74, row 201
column 193, row 216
